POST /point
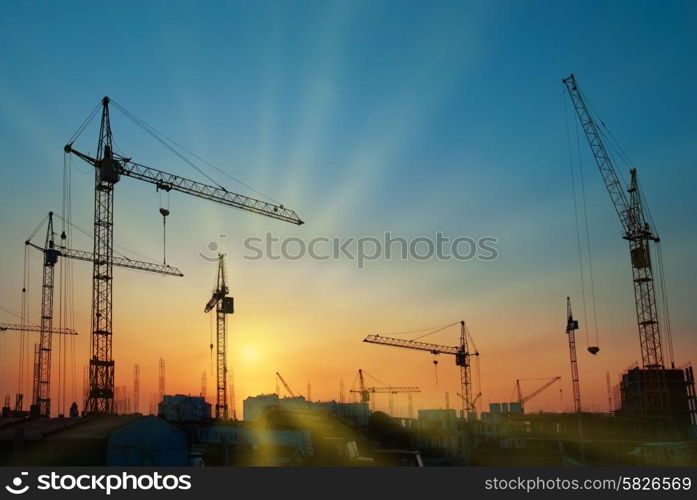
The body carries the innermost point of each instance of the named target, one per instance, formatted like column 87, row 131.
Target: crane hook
column 165, row 213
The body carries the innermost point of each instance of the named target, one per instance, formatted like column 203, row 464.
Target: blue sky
column 364, row 117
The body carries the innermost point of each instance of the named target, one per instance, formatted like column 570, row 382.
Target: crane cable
column 663, row 294
column 116, row 252
column 210, row 333
column 170, row 144
column 24, row 320
column 435, row 331
column 66, row 358
column 576, row 217
column 588, row 237
column 164, row 211
column 84, row 124
column 406, row 332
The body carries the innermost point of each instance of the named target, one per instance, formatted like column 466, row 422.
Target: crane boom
column 392, row 389
column 411, row 344
column 291, row 393
column 34, row 328
column 524, row 399
column 171, row 182
column 639, row 234
column 602, row 158
column 125, row 262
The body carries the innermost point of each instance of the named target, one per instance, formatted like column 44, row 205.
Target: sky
column 363, row 117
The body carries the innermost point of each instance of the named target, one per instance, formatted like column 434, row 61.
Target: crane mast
column 571, row 327
column 223, row 306
column 109, row 167
column 465, row 373
column 42, row 370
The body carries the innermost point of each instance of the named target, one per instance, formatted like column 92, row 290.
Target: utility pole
column 136, row 388
column 232, row 410
column 162, row 381
column 85, row 385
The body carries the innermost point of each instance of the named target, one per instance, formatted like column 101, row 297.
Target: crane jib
column 168, row 182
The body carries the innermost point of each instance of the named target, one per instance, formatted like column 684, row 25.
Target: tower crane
column 289, row 390
column 7, row 327
column 366, row 391
column 109, row 168
column 461, row 353
column 524, row 399
column 224, row 305
column 639, row 233
column 571, row 327
column 42, row 383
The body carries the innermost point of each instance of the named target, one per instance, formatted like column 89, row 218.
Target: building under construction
column 678, row 394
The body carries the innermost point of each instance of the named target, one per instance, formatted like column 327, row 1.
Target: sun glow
column 250, row 354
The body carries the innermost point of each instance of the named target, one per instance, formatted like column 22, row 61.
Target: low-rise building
column 181, row 408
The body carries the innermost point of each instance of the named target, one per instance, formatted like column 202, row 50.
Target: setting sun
column 250, row 354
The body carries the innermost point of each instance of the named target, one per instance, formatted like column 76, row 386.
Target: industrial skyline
column 473, row 143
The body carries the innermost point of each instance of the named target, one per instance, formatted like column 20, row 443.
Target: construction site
column 650, row 419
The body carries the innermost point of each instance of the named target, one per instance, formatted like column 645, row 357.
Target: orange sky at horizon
column 311, row 335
